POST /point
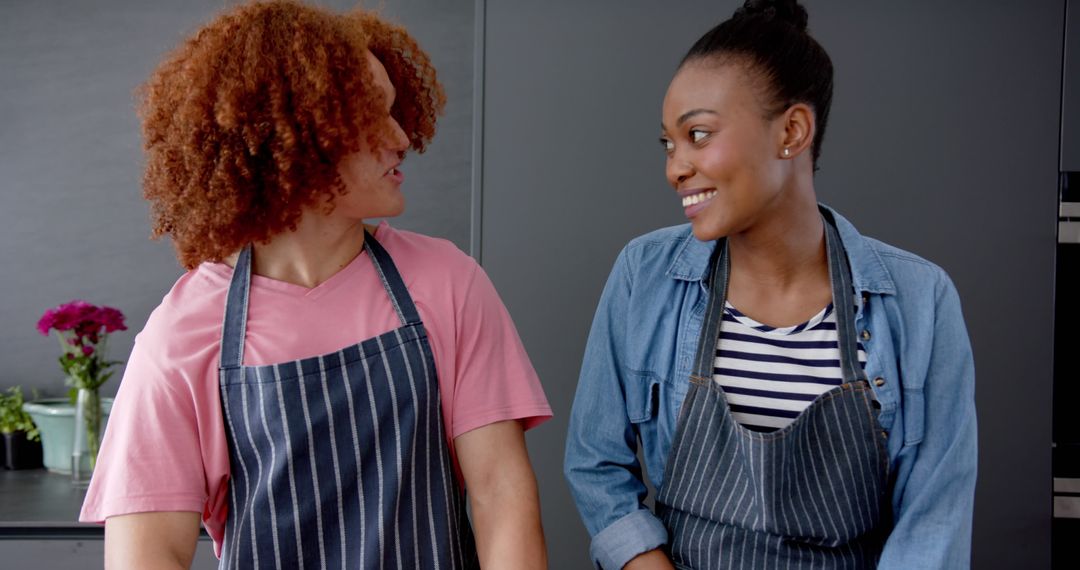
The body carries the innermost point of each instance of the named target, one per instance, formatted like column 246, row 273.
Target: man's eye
column 697, row 135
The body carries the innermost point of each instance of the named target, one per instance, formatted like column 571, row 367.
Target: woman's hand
column 651, row 560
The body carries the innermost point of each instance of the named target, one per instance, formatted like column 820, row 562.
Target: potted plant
column 22, row 447
column 83, row 331
column 55, row 418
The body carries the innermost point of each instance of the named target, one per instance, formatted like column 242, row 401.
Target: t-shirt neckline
column 294, row 290
column 779, row 331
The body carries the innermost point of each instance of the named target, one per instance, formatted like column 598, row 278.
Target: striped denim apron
column 340, row 460
column 810, row 495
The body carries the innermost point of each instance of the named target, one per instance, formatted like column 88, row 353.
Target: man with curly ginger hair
column 271, row 135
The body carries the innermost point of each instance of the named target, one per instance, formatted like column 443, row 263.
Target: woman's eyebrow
column 692, row 113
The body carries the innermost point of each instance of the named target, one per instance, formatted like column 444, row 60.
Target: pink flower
column 46, row 322
column 85, row 319
column 112, row 319
column 88, row 325
column 65, row 317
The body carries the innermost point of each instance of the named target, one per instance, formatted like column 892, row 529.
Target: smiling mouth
column 394, row 170
column 698, row 198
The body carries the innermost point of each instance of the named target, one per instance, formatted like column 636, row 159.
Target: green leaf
column 12, row 417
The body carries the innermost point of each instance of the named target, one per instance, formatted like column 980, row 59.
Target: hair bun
column 787, row 11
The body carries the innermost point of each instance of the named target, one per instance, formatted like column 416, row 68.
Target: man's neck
column 319, row 247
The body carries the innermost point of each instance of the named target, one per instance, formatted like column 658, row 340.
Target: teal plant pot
column 55, row 419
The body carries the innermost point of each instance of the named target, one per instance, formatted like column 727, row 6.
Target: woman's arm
column 151, row 541
column 651, row 560
column 503, row 495
column 601, row 463
column 932, row 527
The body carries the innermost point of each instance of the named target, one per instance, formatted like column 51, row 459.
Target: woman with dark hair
column 271, row 135
column 803, row 395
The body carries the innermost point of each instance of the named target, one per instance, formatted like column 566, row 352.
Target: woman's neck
column 780, row 251
column 319, row 247
column 779, row 269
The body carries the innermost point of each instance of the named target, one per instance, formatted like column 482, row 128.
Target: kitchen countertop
column 39, row 504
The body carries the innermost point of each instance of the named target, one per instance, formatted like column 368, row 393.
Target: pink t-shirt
column 165, row 446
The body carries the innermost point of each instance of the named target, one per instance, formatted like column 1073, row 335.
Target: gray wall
column 943, row 140
column 73, row 222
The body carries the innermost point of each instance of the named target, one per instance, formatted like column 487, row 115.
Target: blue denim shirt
column 637, row 364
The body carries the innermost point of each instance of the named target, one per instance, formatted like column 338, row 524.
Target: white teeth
column 698, row 198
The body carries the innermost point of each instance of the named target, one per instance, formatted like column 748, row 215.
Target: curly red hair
column 245, row 123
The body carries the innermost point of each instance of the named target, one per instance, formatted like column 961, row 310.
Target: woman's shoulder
column 670, row 252
column 896, row 256
column 660, row 246
column 880, row 266
column 670, row 237
column 919, row 287
column 909, row 271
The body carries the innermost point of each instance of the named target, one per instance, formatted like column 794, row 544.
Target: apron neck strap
column 720, row 269
column 392, row 281
column 236, row 311
column 843, row 295
column 234, row 328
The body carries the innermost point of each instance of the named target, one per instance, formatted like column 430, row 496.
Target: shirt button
column 885, row 434
column 865, row 335
column 879, row 381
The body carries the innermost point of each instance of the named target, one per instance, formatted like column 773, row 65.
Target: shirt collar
column 691, row 262
column 868, row 271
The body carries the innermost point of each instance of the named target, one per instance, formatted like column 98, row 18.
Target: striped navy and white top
column 769, row 375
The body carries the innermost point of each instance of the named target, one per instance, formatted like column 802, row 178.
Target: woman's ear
column 797, row 134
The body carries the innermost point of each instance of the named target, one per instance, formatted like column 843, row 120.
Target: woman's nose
column 678, row 171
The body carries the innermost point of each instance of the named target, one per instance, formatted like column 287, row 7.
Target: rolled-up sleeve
column 627, row 537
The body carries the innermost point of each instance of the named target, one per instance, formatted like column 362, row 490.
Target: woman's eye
column 667, row 144
column 697, row 135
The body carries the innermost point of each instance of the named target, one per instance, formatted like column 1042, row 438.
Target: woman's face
column 723, row 154
column 371, row 175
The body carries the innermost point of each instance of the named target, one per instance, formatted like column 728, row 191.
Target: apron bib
column 810, row 495
column 340, row 460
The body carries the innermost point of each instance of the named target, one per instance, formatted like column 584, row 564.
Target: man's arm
column 151, row 541
column 502, row 492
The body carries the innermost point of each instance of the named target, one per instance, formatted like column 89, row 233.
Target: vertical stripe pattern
column 813, row 494
column 340, row 460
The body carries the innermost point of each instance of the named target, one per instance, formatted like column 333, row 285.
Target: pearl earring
column 787, row 152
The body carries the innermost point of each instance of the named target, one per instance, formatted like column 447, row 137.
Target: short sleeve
column 150, row 458
column 493, row 378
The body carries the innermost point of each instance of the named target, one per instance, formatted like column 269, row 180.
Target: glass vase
column 87, row 439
